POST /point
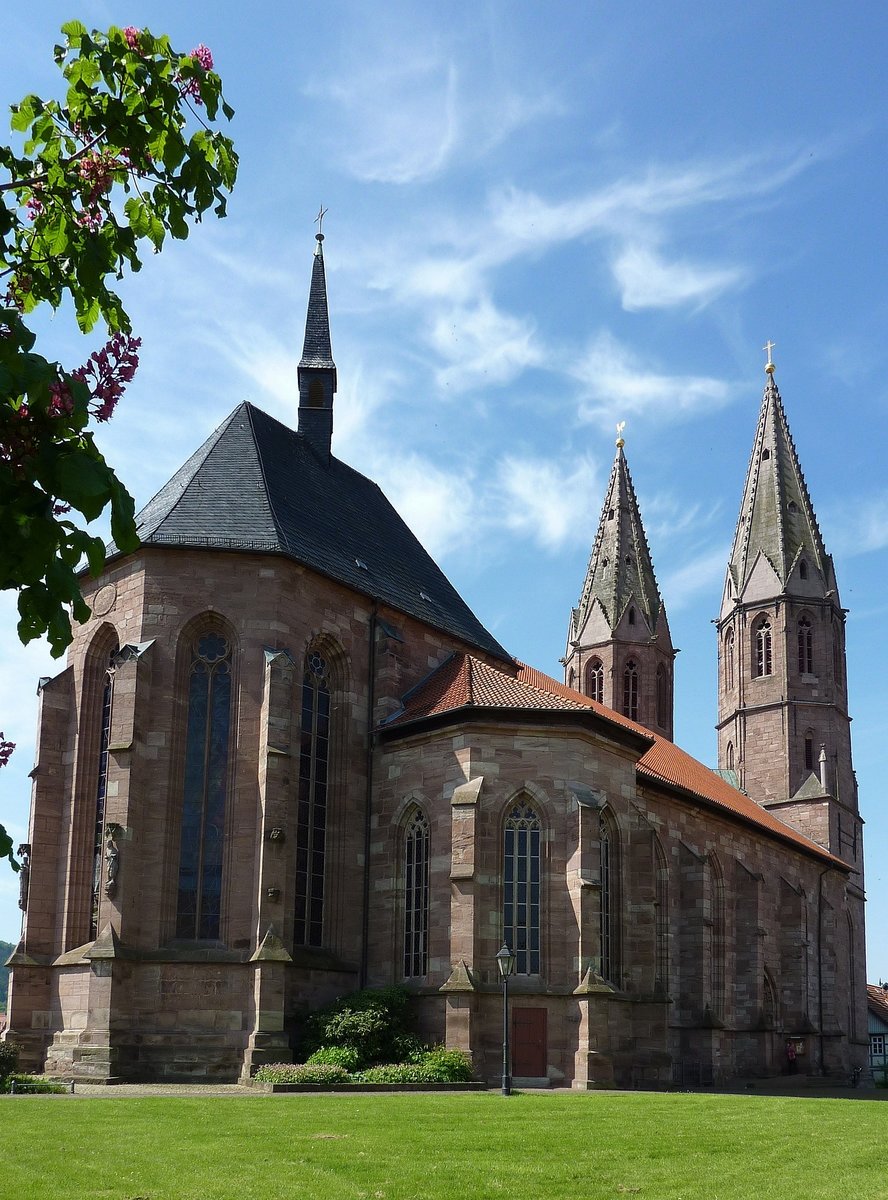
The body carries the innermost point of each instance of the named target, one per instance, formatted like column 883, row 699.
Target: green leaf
column 83, row 481
column 74, row 30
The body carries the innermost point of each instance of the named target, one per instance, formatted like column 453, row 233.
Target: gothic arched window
column 522, row 881
column 762, row 636
column 837, row 652
column 809, row 751
column 662, row 697
column 630, row 691
column 416, row 896
column 595, row 680
column 609, row 914
column 661, row 869
column 729, row 756
column 806, row 647
column 205, row 784
column 717, row 941
column 101, row 793
column 311, row 809
column 729, row 659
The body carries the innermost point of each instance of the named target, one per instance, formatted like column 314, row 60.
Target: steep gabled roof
column 877, row 1001
column 257, row 485
column 776, row 515
column 463, row 684
column 620, row 568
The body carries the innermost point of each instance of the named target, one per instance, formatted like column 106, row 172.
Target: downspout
column 368, row 798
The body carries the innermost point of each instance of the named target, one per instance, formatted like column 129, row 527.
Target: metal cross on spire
column 319, row 220
column 768, row 347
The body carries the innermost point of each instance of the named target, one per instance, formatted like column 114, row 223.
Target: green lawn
column 458, row 1146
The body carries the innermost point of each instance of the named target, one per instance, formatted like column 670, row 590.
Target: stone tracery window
column 662, row 697
column 311, row 811
column 416, row 896
column 595, row 680
column 762, row 641
column 630, row 690
column 661, row 869
column 101, row 793
column 609, row 927
column 806, row 647
column 522, row 881
column 729, row 659
column 205, row 785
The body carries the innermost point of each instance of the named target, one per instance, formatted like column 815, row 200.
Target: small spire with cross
column 319, row 221
column 621, row 441
column 768, row 347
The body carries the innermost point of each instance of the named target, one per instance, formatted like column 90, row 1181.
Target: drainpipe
column 368, row 799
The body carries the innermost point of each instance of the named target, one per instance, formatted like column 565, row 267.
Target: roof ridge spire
column 317, row 370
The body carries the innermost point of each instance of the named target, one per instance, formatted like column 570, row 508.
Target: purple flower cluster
column 34, row 204
column 6, row 749
column 203, row 56
column 132, row 35
column 107, row 371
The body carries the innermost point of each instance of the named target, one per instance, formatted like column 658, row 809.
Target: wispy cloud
column 617, row 383
column 481, row 344
column 539, row 501
column 704, row 572
column 861, row 525
column 647, row 280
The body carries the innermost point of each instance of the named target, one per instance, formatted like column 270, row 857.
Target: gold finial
column 620, row 439
column 769, row 365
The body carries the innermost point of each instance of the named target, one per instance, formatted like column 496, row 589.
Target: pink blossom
column 6, row 749
column 132, row 35
column 204, row 56
column 60, row 400
column 106, row 371
column 34, row 204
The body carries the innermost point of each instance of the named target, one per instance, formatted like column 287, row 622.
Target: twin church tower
column 783, row 725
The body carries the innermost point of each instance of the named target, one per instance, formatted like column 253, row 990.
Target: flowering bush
column 136, row 118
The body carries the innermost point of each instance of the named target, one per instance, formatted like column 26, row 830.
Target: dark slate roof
column 257, row 485
column 317, row 350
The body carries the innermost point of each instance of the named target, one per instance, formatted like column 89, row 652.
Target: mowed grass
column 458, row 1146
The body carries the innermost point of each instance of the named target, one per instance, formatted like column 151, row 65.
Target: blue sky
column 543, row 218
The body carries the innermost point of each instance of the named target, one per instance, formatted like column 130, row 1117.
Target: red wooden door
column 529, row 1042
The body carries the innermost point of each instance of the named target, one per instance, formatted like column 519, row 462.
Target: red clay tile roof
column 463, row 681
column 877, row 999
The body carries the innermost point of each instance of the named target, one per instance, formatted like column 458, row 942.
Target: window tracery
column 522, row 882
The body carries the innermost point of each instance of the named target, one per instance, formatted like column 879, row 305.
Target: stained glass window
column 630, row 691
column 763, row 647
column 311, row 809
column 206, row 771
column 595, row 680
column 416, row 896
column 521, row 889
column 101, row 794
column 608, row 904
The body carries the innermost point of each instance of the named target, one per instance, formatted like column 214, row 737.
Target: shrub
column 336, row 1056
column 31, row 1085
column 301, row 1073
column 370, row 1022
column 447, row 1066
column 394, row 1073
column 9, row 1053
column 407, row 1048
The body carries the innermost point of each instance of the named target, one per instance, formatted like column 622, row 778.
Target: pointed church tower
column 619, row 650
column 783, row 723
column 317, row 370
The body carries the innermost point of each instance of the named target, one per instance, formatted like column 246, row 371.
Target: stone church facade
column 285, row 760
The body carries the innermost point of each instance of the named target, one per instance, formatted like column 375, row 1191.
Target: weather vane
column 620, row 439
column 768, row 347
column 319, row 220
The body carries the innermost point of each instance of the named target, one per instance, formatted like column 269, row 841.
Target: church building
column 285, row 760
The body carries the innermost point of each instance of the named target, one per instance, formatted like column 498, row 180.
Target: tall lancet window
column 609, row 913
column 661, row 902
column 311, row 813
column 101, row 793
column 630, row 690
column 199, row 910
column 416, row 896
column 662, row 697
column 806, row 647
column 762, row 643
column 521, row 888
column 729, row 659
column 595, row 680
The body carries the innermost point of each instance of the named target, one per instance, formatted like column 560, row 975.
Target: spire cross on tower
column 319, row 221
column 768, row 347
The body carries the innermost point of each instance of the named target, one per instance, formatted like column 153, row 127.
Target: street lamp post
column 505, row 961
